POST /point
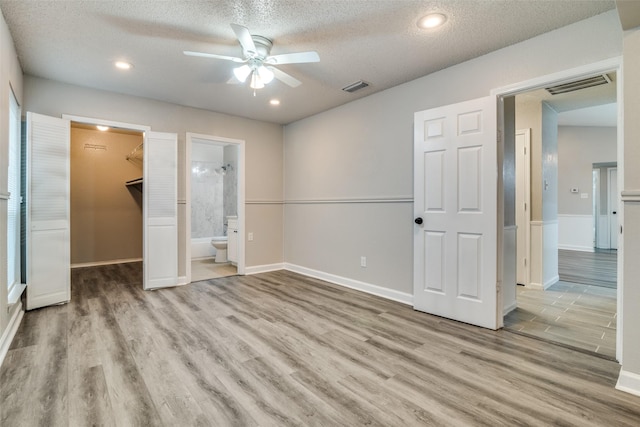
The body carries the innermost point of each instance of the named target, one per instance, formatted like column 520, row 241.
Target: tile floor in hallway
column 572, row 314
column 206, row 268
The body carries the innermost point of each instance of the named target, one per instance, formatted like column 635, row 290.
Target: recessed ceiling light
column 124, row 65
column 274, row 102
column 432, row 20
column 102, row 128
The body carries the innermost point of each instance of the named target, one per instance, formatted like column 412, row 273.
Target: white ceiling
column 598, row 115
column 372, row 40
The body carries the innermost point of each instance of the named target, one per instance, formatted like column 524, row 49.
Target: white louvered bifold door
column 160, row 211
column 48, row 244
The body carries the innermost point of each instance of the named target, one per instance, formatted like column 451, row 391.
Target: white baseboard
column 628, row 382
column 353, row 284
column 576, row 248
column 10, row 332
column 551, row 282
column 508, row 309
column 534, row 285
column 115, row 261
column 255, row 269
column 182, row 280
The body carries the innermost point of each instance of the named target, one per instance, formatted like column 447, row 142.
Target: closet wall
column 106, row 215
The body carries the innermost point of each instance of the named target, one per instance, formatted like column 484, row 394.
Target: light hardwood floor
column 597, row 268
column 280, row 349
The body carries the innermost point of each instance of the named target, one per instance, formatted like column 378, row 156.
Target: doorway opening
column 106, row 203
column 214, row 207
column 564, row 296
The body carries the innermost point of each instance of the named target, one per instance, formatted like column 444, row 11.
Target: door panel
column 613, row 207
column 48, row 245
column 522, row 205
column 455, row 193
column 160, row 201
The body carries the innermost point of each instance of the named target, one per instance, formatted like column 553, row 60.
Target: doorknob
column 418, row 220
column 614, row 212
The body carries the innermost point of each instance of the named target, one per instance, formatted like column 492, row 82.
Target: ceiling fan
column 258, row 66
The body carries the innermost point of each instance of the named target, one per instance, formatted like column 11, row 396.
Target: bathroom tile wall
column 231, row 181
column 207, row 187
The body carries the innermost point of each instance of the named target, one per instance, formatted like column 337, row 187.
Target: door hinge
column 525, row 151
column 620, row 229
column 525, row 262
column 525, row 206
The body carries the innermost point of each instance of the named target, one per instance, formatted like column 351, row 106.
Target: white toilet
column 220, row 243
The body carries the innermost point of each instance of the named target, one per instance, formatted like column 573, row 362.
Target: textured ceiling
column 372, row 40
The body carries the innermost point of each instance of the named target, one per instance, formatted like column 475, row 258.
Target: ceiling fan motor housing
column 263, row 47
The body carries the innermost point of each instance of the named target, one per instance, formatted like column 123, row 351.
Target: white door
column 455, row 199
column 523, row 207
column 48, row 245
column 613, row 207
column 160, row 210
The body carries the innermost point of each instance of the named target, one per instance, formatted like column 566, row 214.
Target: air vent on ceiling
column 355, row 86
column 602, row 79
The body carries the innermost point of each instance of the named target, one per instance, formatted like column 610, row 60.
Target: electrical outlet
column 250, row 237
column 363, row 261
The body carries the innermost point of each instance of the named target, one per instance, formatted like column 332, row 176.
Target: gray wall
column 263, row 148
column 529, row 116
column 364, row 150
column 579, row 147
column 549, row 162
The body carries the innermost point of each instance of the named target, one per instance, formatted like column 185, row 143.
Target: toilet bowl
column 220, row 243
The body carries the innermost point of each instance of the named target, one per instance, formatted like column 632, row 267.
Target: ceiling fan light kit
column 258, row 66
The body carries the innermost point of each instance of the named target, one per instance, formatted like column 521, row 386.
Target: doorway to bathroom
column 215, row 207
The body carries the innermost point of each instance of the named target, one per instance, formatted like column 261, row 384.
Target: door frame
column 606, row 66
column 527, row 196
column 122, row 125
column 214, row 140
column 595, row 176
column 610, row 207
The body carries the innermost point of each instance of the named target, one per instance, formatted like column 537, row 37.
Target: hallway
column 579, row 311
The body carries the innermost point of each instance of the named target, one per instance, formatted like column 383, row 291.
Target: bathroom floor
column 206, row 268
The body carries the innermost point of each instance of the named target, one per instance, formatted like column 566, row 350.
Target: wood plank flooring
column 589, row 268
column 279, row 349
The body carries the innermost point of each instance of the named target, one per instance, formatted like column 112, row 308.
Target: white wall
column 263, row 188
column 364, row 150
column 10, row 79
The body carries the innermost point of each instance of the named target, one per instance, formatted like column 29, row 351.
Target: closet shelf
column 136, row 153
column 134, row 182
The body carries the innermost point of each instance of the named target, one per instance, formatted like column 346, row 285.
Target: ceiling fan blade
column 285, row 78
column 213, row 55
column 293, row 58
column 244, row 37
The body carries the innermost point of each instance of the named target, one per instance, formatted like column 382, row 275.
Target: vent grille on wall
column 602, row 79
column 355, row 86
